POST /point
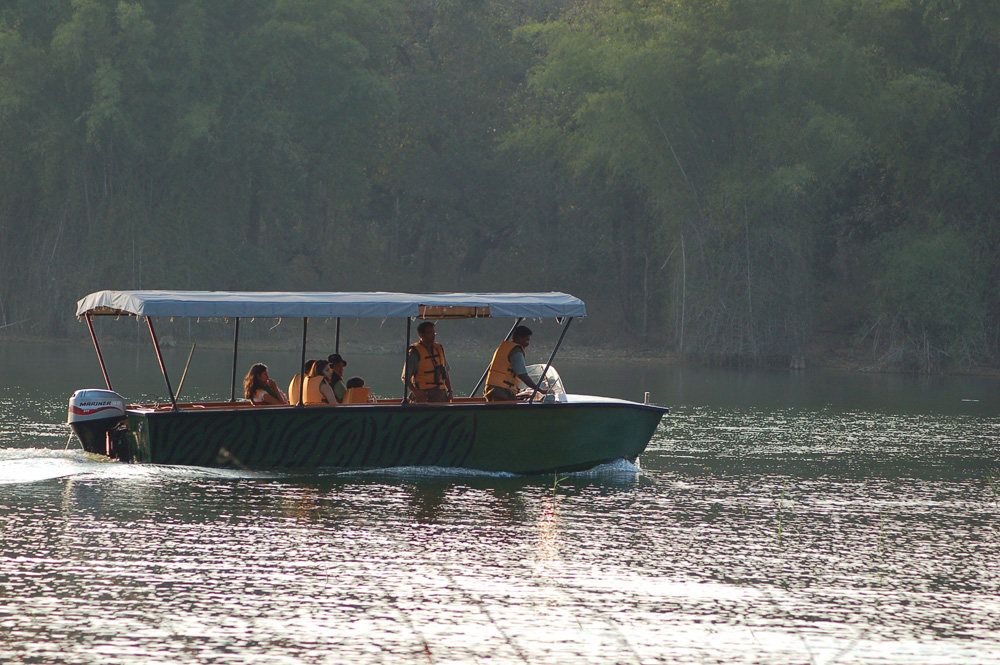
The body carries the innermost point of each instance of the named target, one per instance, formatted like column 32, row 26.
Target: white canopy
column 377, row 304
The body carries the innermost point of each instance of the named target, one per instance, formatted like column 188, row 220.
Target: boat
column 543, row 433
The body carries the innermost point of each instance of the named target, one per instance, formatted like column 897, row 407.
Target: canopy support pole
column 159, row 358
column 487, row 370
column 97, row 347
column 302, row 364
column 336, row 347
column 551, row 357
column 236, row 346
column 406, row 353
column 180, row 385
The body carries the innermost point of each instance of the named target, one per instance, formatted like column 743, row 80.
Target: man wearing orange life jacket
column 508, row 368
column 426, row 370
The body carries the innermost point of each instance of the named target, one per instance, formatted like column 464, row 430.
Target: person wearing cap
column 336, row 378
column 426, row 371
column 507, row 368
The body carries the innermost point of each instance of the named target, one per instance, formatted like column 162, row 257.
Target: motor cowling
column 97, row 417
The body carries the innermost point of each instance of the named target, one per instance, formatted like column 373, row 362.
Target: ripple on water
column 792, row 537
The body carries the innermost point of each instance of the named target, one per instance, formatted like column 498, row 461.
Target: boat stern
column 98, row 420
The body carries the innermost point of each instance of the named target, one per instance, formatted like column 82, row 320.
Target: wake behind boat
column 556, row 431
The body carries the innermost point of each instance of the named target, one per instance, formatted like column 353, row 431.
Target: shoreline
column 827, row 357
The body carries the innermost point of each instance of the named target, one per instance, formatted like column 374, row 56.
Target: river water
column 776, row 517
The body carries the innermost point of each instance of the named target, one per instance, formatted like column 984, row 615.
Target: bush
column 931, row 300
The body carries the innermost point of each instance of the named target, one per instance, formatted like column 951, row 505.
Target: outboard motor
column 98, row 418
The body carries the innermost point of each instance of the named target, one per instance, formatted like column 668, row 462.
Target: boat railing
column 243, row 405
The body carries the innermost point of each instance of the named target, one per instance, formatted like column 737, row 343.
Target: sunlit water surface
column 753, row 530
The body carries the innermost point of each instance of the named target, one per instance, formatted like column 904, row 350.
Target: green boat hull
column 516, row 438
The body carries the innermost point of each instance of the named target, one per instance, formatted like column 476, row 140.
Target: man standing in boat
column 426, row 371
column 507, row 368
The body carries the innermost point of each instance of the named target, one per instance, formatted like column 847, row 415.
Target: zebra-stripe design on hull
column 516, row 438
column 363, row 438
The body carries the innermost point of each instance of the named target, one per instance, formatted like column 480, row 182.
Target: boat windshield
column 552, row 384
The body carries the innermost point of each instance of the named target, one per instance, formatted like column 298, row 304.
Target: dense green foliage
column 732, row 179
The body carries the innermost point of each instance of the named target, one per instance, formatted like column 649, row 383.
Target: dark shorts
column 437, row 395
column 494, row 394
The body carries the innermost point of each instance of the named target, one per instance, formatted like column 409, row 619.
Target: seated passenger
column 317, row 389
column 357, row 391
column 337, row 364
column 260, row 388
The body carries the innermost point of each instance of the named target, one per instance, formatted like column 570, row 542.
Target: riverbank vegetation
column 740, row 180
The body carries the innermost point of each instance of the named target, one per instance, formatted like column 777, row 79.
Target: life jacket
column 361, row 395
column 501, row 371
column 312, row 393
column 431, row 368
column 293, row 389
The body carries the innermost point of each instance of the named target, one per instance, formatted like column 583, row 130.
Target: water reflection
column 188, row 564
column 750, row 534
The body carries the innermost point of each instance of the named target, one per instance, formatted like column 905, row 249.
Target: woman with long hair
column 260, row 388
column 317, row 384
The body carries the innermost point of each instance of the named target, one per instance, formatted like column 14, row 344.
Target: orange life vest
column 431, row 368
column 360, row 395
column 312, row 394
column 293, row 389
column 501, row 371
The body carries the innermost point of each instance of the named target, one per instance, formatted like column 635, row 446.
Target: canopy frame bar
column 159, row 358
column 551, row 358
column 302, row 363
column 97, row 347
column 236, row 346
column 406, row 353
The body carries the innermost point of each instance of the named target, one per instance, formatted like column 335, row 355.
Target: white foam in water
column 34, row 465
column 424, row 472
column 619, row 466
column 31, row 465
column 615, row 469
column 178, row 471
